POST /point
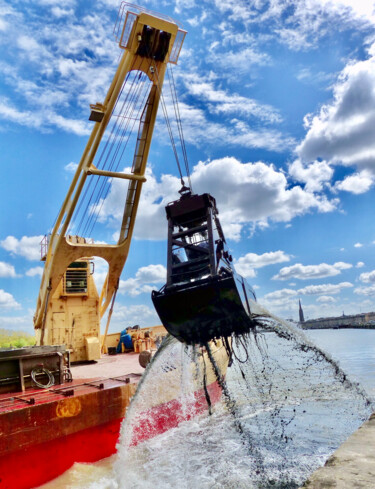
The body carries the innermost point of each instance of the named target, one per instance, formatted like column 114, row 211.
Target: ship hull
column 40, row 441
column 38, row 463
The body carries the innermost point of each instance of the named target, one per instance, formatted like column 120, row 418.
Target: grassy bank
column 15, row 339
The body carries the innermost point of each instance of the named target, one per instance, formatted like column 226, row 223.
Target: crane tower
column 69, row 308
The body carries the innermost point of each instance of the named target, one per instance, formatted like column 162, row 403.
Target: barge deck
column 44, row 431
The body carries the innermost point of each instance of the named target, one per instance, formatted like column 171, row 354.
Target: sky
column 277, row 101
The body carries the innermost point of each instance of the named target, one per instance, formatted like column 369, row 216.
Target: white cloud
column 27, row 246
column 367, row 277
column 308, row 76
column 18, row 323
column 360, row 264
column 3, row 25
column 145, row 280
column 326, row 299
column 358, row 245
column 52, row 3
column 59, row 12
column 281, row 294
column 323, row 289
column 42, row 120
column 306, row 272
column 7, row 270
column 152, row 274
column 246, row 193
column 221, row 102
column 71, row 61
column 7, row 301
column 245, row 264
column 358, row 183
column 71, row 167
column 286, row 298
column 285, row 301
column 30, row 45
column 35, row 272
column 229, row 130
column 336, row 309
column 304, row 22
column 241, row 59
column 367, row 291
column 314, row 175
column 343, row 132
column 142, row 315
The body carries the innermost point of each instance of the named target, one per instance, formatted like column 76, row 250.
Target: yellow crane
column 69, row 308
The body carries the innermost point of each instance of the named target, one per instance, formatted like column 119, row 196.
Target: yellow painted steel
column 79, row 316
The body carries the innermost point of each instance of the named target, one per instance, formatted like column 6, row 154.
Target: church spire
column 301, row 316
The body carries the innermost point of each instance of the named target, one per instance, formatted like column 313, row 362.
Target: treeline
column 15, row 339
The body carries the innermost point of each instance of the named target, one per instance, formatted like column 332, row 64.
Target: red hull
column 36, row 465
column 86, row 436
column 162, row 418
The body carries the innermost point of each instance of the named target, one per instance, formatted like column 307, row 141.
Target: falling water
column 285, row 406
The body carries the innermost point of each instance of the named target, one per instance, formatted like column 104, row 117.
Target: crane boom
column 149, row 43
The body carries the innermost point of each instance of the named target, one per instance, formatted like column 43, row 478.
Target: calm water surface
column 353, row 349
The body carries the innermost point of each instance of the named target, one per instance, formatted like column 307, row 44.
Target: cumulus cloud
column 367, row 277
column 7, row 301
column 143, row 315
column 245, row 265
column 285, row 301
column 27, row 246
column 343, row 131
column 321, row 290
column 145, row 280
column 324, row 289
column 281, row 294
column 7, row 270
column 35, row 272
column 246, row 193
column 358, row 183
column 358, row 245
column 360, row 264
column 151, row 274
column 314, row 175
column 306, row 272
column 367, row 291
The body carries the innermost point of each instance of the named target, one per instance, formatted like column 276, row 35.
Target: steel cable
column 172, row 86
column 96, row 179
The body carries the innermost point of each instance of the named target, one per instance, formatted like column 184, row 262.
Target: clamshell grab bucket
column 204, row 298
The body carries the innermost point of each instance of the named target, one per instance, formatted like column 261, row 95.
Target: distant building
column 301, row 316
column 362, row 320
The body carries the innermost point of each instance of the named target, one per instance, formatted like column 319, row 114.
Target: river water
column 289, row 440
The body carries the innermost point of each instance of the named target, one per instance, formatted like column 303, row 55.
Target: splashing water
column 285, row 406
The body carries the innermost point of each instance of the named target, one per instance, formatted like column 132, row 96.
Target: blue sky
column 277, row 100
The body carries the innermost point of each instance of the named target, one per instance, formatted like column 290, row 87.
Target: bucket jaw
column 204, row 298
